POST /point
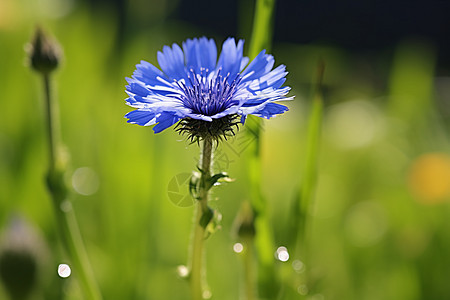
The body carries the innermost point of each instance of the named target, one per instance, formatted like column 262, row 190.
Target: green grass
column 369, row 236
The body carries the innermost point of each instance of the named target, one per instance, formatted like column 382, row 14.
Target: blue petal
column 137, row 88
column 134, row 100
column 171, row 62
column 200, row 54
column 244, row 62
column 147, row 73
column 261, row 65
column 254, row 102
column 270, row 110
column 140, row 117
column 230, row 58
column 274, row 79
column 165, row 120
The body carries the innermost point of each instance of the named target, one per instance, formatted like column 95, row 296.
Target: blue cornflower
column 206, row 93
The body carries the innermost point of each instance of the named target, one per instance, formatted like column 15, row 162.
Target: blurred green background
column 379, row 221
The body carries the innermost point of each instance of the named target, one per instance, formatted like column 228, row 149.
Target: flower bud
column 245, row 221
column 20, row 259
column 44, row 53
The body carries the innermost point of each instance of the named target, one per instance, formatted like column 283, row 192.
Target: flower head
column 207, row 94
column 44, row 52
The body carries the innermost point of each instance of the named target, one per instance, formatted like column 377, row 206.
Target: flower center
column 208, row 93
column 217, row 129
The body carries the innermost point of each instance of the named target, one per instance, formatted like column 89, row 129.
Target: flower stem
column 197, row 271
column 196, row 280
column 51, row 134
column 249, row 269
column 65, row 218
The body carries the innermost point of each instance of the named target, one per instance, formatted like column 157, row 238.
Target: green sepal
column 207, row 216
column 214, row 224
column 193, row 185
column 217, row 177
column 57, row 185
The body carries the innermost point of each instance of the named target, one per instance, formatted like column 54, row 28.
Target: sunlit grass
column 379, row 225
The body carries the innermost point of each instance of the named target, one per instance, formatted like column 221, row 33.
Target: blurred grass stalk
column 411, row 84
column 309, row 183
column 299, row 223
column 45, row 55
column 261, row 39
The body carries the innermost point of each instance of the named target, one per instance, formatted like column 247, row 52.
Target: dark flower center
column 217, row 129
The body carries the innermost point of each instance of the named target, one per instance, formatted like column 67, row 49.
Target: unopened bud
column 21, row 254
column 44, row 53
column 245, row 221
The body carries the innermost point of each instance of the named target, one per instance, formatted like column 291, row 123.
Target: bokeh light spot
column 318, row 297
column 298, row 266
column 354, row 124
column 207, row 294
column 366, row 223
column 238, row 247
column 64, row 270
column 55, row 8
column 429, row 178
column 182, row 271
column 85, row 181
column 282, row 254
column 65, row 206
column 302, row 290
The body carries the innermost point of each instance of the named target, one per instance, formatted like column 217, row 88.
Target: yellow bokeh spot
column 429, row 178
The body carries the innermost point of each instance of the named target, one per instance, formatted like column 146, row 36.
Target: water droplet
column 238, row 247
column 64, row 270
column 282, row 254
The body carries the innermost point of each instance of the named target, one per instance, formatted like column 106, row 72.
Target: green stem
column 197, row 271
column 74, row 245
column 312, row 151
column 51, row 132
column 196, row 281
column 263, row 242
column 262, row 27
column 65, row 218
column 301, row 226
column 249, row 269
